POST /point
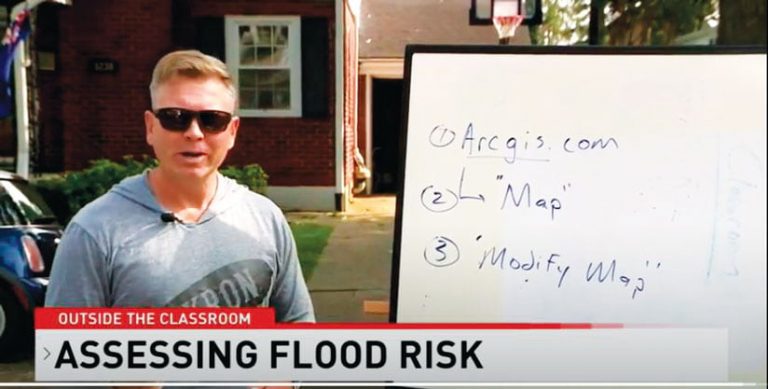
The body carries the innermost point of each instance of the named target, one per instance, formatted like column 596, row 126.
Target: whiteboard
column 576, row 185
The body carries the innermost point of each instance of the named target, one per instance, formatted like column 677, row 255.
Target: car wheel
column 11, row 326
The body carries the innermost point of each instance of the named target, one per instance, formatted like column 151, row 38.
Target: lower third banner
column 246, row 345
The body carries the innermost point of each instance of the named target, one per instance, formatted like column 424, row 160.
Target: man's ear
column 234, row 125
column 149, row 126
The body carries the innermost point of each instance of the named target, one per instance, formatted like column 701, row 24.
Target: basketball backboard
column 482, row 12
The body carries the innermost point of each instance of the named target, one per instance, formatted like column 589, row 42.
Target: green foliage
column 71, row 191
column 625, row 22
column 252, row 176
column 67, row 193
column 565, row 23
column 311, row 239
column 654, row 22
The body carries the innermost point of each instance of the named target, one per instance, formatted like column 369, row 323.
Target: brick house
column 386, row 27
column 295, row 64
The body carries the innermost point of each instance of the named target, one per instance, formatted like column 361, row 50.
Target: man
column 182, row 234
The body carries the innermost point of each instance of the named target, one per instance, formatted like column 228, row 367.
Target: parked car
column 29, row 234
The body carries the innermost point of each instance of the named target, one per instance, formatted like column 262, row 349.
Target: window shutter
column 209, row 36
column 182, row 30
column 314, row 67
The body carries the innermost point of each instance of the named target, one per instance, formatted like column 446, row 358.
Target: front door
column 386, row 119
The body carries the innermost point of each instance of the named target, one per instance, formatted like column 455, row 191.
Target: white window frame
column 232, row 44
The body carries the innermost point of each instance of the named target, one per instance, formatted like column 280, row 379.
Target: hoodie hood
column 136, row 190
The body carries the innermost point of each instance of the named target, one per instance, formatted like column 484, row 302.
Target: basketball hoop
column 506, row 25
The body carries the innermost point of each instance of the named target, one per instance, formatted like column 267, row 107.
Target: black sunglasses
column 179, row 119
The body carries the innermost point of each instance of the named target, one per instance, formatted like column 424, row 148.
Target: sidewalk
column 356, row 264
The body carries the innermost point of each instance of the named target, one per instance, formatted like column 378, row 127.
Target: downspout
column 20, row 91
column 340, row 193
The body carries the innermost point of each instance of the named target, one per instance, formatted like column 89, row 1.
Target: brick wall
column 101, row 114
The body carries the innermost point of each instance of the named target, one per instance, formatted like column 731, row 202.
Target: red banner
column 153, row 318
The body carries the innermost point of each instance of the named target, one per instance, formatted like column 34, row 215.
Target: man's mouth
column 191, row 154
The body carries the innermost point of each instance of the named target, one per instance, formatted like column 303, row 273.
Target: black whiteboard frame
column 410, row 50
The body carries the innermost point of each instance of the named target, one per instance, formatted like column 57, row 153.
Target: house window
column 264, row 57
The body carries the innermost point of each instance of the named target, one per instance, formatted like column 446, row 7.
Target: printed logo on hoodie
column 241, row 284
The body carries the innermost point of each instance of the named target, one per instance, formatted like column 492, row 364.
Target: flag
column 18, row 31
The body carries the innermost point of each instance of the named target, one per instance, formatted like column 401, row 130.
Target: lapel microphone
column 169, row 217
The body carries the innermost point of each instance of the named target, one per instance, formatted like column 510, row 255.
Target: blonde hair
column 190, row 64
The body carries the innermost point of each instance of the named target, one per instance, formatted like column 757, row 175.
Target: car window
column 21, row 204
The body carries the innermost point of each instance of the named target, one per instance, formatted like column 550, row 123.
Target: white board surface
column 594, row 187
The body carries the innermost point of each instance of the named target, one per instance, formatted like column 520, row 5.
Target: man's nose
column 194, row 132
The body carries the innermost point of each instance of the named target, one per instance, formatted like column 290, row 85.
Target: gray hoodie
column 118, row 252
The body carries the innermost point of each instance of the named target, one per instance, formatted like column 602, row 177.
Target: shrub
column 67, row 193
column 252, row 176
